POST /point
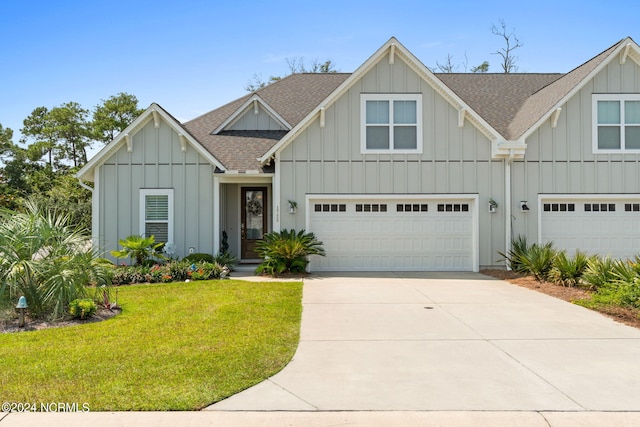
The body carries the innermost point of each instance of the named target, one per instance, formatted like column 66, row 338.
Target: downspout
column 85, row 186
column 507, row 202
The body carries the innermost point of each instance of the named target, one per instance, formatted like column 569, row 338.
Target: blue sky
column 193, row 56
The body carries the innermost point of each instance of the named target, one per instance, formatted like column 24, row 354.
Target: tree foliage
column 113, row 115
column 482, row 68
column 296, row 66
column 52, row 148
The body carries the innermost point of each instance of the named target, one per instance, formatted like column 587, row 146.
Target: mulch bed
column 11, row 325
column 627, row 316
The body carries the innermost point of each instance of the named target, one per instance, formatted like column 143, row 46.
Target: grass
column 178, row 346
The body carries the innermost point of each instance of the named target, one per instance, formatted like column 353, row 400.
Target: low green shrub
column 567, row 271
column 208, row 271
column 226, row 259
column 82, row 308
column 175, row 271
column 623, row 294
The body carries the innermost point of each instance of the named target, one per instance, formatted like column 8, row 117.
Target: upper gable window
column 617, row 123
column 391, row 123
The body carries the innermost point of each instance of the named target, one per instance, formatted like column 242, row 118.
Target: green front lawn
column 178, row 346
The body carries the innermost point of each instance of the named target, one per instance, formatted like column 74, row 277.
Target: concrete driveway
column 448, row 342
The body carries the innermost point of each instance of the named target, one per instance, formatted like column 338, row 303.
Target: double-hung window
column 156, row 214
column 391, row 123
column 616, row 124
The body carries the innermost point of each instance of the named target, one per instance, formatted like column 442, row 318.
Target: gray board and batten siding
column 157, row 162
column 561, row 161
column 454, row 160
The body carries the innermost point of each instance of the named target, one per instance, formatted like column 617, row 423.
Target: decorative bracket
column 624, row 54
column 461, row 115
column 127, row 138
column 392, row 53
column 183, row 142
column 555, row 116
column 321, row 117
column 156, row 119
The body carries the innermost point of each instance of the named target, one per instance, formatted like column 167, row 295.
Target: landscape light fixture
column 21, row 307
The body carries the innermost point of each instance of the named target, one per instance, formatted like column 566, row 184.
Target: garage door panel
column 596, row 226
column 395, row 235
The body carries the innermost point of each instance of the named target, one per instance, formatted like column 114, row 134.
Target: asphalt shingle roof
column 497, row 97
column 511, row 103
column 293, row 98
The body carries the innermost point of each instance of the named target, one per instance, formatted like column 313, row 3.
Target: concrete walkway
column 429, row 349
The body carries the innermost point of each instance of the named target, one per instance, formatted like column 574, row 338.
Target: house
column 393, row 167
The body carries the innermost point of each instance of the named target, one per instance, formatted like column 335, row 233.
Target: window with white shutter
column 156, row 214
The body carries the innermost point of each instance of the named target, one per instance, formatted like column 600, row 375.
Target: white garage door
column 394, row 234
column 602, row 226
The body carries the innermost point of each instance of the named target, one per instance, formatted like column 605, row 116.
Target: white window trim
column 594, row 132
column 390, row 97
column 142, row 206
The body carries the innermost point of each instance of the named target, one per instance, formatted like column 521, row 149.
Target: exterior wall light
column 292, row 206
column 21, row 307
column 523, row 206
column 493, row 206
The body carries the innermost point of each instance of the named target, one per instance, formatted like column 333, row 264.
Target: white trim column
column 507, row 207
column 216, row 214
column 275, row 188
column 95, row 210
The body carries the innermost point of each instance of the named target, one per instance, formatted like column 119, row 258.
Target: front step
column 246, row 267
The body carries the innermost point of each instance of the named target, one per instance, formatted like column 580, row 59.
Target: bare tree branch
column 511, row 43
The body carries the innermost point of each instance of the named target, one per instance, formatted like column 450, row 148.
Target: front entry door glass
column 254, row 220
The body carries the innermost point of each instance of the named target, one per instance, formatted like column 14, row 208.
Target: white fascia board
column 244, row 108
column 154, row 109
column 399, row 51
column 634, row 54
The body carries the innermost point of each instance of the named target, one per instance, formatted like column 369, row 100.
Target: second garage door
column 387, row 234
column 592, row 224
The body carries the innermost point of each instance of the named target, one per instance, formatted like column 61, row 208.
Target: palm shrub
column 287, row 251
column 519, row 248
column 48, row 260
column 139, row 248
column 567, row 271
column 627, row 270
column 600, row 271
column 537, row 260
column 226, row 259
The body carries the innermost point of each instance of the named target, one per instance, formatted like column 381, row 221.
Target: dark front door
column 253, row 220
